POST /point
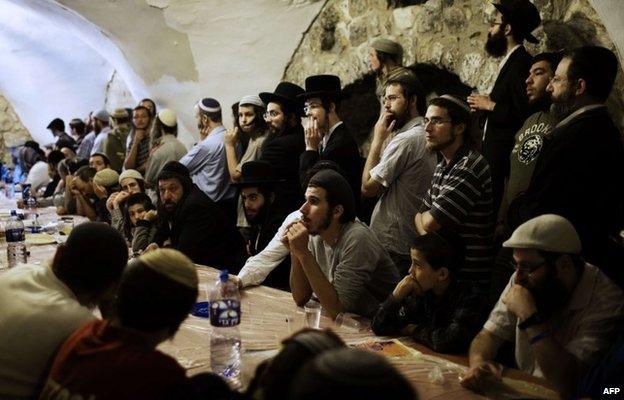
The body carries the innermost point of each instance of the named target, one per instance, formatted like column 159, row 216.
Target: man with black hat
column 326, row 136
column 257, row 182
column 507, row 106
column 285, row 141
column 207, row 162
column 62, row 139
column 335, row 258
column 193, row 224
column 560, row 311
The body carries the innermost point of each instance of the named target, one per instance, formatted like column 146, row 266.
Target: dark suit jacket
column 580, row 175
column 512, row 109
column 343, row 150
column 200, row 230
column 283, row 153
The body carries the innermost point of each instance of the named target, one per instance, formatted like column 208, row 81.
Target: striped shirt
column 142, row 151
column 460, row 198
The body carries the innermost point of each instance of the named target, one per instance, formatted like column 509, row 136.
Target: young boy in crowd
column 140, row 221
column 429, row 304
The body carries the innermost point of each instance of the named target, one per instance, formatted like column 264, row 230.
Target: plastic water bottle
column 16, row 244
column 225, row 342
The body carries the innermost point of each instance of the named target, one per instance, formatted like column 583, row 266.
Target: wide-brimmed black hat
column 259, row 173
column 321, row 86
column 285, row 93
column 522, row 15
column 56, row 124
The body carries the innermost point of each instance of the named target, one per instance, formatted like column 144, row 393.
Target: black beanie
column 338, row 189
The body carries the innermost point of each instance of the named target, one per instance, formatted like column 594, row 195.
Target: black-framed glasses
column 436, row 121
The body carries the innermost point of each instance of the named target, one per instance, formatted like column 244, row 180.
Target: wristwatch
column 534, row 319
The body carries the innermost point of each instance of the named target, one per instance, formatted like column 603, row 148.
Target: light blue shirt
column 208, row 166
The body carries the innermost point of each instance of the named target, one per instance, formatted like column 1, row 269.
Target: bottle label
column 14, row 235
column 225, row 312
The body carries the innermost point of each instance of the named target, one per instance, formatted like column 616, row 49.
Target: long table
column 270, row 315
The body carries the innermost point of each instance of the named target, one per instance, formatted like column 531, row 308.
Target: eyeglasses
column 558, row 79
column 527, row 269
column 271, row 114
column 494, row 23
column 436, row 121
column 309, row 107
column 392, row 98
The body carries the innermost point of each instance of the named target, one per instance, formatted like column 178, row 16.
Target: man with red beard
column 561, row 312
column 401, row 172
column 507, row 106
column 334, row 258
column 579, row 173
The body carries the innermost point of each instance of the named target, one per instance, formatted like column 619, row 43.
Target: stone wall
column 12, row 131
column 447, row 33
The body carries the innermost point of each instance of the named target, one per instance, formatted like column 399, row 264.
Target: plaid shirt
column 445, row 326
column 142, row 151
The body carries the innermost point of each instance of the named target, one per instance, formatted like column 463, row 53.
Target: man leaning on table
column 342, row 263
column 561, row 312
column 41, row 305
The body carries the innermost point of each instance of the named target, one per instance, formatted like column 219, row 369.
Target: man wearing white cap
column 250, row 120
column 169, row 147
column 561, row 312
column 101, row 129
column 155, row 295
column 206, row 161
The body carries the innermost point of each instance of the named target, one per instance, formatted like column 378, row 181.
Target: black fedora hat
column 321, row 86
column 285, row 93
column 522, row 15
column 259, row 173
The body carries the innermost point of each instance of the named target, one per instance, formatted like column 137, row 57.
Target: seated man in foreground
column 429, row 304
column 41, row 305
column 561, row 312
column 114, row 359
column 342, row 264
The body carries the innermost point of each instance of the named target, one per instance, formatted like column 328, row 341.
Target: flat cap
column 548, row 232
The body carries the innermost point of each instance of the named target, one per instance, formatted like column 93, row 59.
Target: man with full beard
column 506, row 107
column 342, row 263
column 264, row 216
column 460, row 196
column 579, row 173
column 138, row 142
column 560, row 311
column 193, row 224
column 285, row 141
column 401, row 173
column 528, row 144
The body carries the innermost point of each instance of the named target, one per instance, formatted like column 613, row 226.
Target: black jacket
column 579, row 175
column 343, row 150
column 512, row 109
column 283, row 153
column 200, row 230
